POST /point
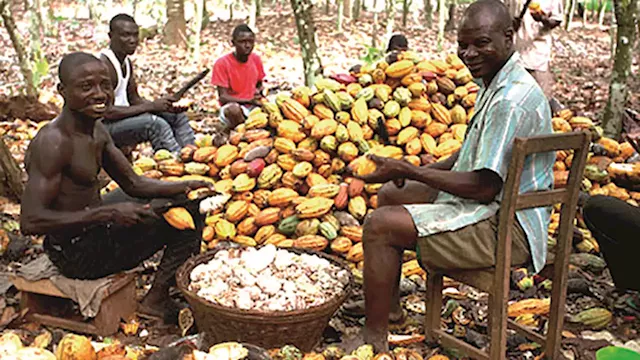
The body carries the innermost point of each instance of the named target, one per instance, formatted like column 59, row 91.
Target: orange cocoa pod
column 355, row 187
column 288, row 211
column 261, row 198
column 354, row 233
column 268, row 216
column 342, row 199
column 208, row 233
column 247, row 226
column 238, row 167
column 373, row 201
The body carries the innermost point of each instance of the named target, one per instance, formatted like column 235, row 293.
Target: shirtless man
column 134, row 119
column 88, row 237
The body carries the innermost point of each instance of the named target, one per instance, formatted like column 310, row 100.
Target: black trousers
column 106, row 249
column 616, row 226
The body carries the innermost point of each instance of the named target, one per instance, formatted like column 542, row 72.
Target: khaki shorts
column 471, row 247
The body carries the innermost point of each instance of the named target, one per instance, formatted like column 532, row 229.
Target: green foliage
column 372, row 55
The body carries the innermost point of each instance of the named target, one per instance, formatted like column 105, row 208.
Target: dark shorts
column 106, row 249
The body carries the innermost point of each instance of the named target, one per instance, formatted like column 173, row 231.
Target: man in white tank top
column 132, row 119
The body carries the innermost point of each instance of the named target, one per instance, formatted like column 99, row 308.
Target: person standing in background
column 534, row 41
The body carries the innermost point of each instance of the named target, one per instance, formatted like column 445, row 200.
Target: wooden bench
column 48, row 306
column 495, row 281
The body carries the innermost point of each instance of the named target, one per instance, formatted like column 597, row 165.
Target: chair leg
column 433, row 304
column 555, row 325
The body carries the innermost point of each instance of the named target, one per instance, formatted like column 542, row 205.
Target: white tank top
column 120, row 91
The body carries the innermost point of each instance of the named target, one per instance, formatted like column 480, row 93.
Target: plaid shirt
column 512, row 106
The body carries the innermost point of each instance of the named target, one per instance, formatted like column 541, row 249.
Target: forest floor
column 582, row 65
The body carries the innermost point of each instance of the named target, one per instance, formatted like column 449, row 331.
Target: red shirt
column 240, row 78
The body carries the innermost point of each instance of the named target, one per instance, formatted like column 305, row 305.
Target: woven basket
column 302, row 328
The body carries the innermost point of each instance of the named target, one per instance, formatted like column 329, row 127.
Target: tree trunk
column 258, row 8
column 253, row 9
column 327, row 4
column 303, row 12
column 94, row 13
column 441, row 23
column 18, row 45
column 175, row 29
column 602, row 11
column 428, row 13
column 340, row 15
column 197, row 30
column 347, row 7
column 231, row 11
column 569, row 17
column 405, row 11
column 205, row 15
column 451, row 22
column 625, row 12
column 594, row 9
column 584, row 16
column 374, row 30
column 356, row 9
column 391, row 17
column 10, row 174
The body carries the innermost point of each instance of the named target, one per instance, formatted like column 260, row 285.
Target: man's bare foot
column 379, row 340
column 156, row 307
column 357, row 308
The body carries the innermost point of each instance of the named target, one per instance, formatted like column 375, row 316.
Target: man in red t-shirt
column 238, row 77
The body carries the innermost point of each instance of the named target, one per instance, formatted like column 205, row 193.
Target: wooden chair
column 495, row 281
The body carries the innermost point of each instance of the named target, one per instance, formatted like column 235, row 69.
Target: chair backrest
column 568, row 196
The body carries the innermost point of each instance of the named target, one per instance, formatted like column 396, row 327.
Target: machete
column 524, row 10
column 180, row 93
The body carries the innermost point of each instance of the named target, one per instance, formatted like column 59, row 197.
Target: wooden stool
column 48, row 306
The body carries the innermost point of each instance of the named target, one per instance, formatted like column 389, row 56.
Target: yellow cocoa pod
column 406, row 135
column 355, row 131
column 283, row 145
column 435, row 129
column 328, row 191
column 360, row 111
column 287, row 162
column 314, row 179
column 341, row 245
column 421, row 104
column 420, row 119
column 256, row 121
column 237, row 210
column 413, row 147
column 357, row 207
column 441, row 113
column 400, row 69
column 314, row 207
column 282, row 197
column 244, row 240
column 458, row 115
column 302, row 169
column 225, row 155
column 348, row 151
column 447, row 148
column 179, row 218
column 405, row 116
column 354, row 233
column 322, row 111
column 356, row 253
column 264, row 233
column 323, row 128
column 225, row 230
column 243, row 183
column 459, row 131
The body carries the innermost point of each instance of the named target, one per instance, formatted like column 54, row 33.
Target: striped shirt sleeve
column 501, row 126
